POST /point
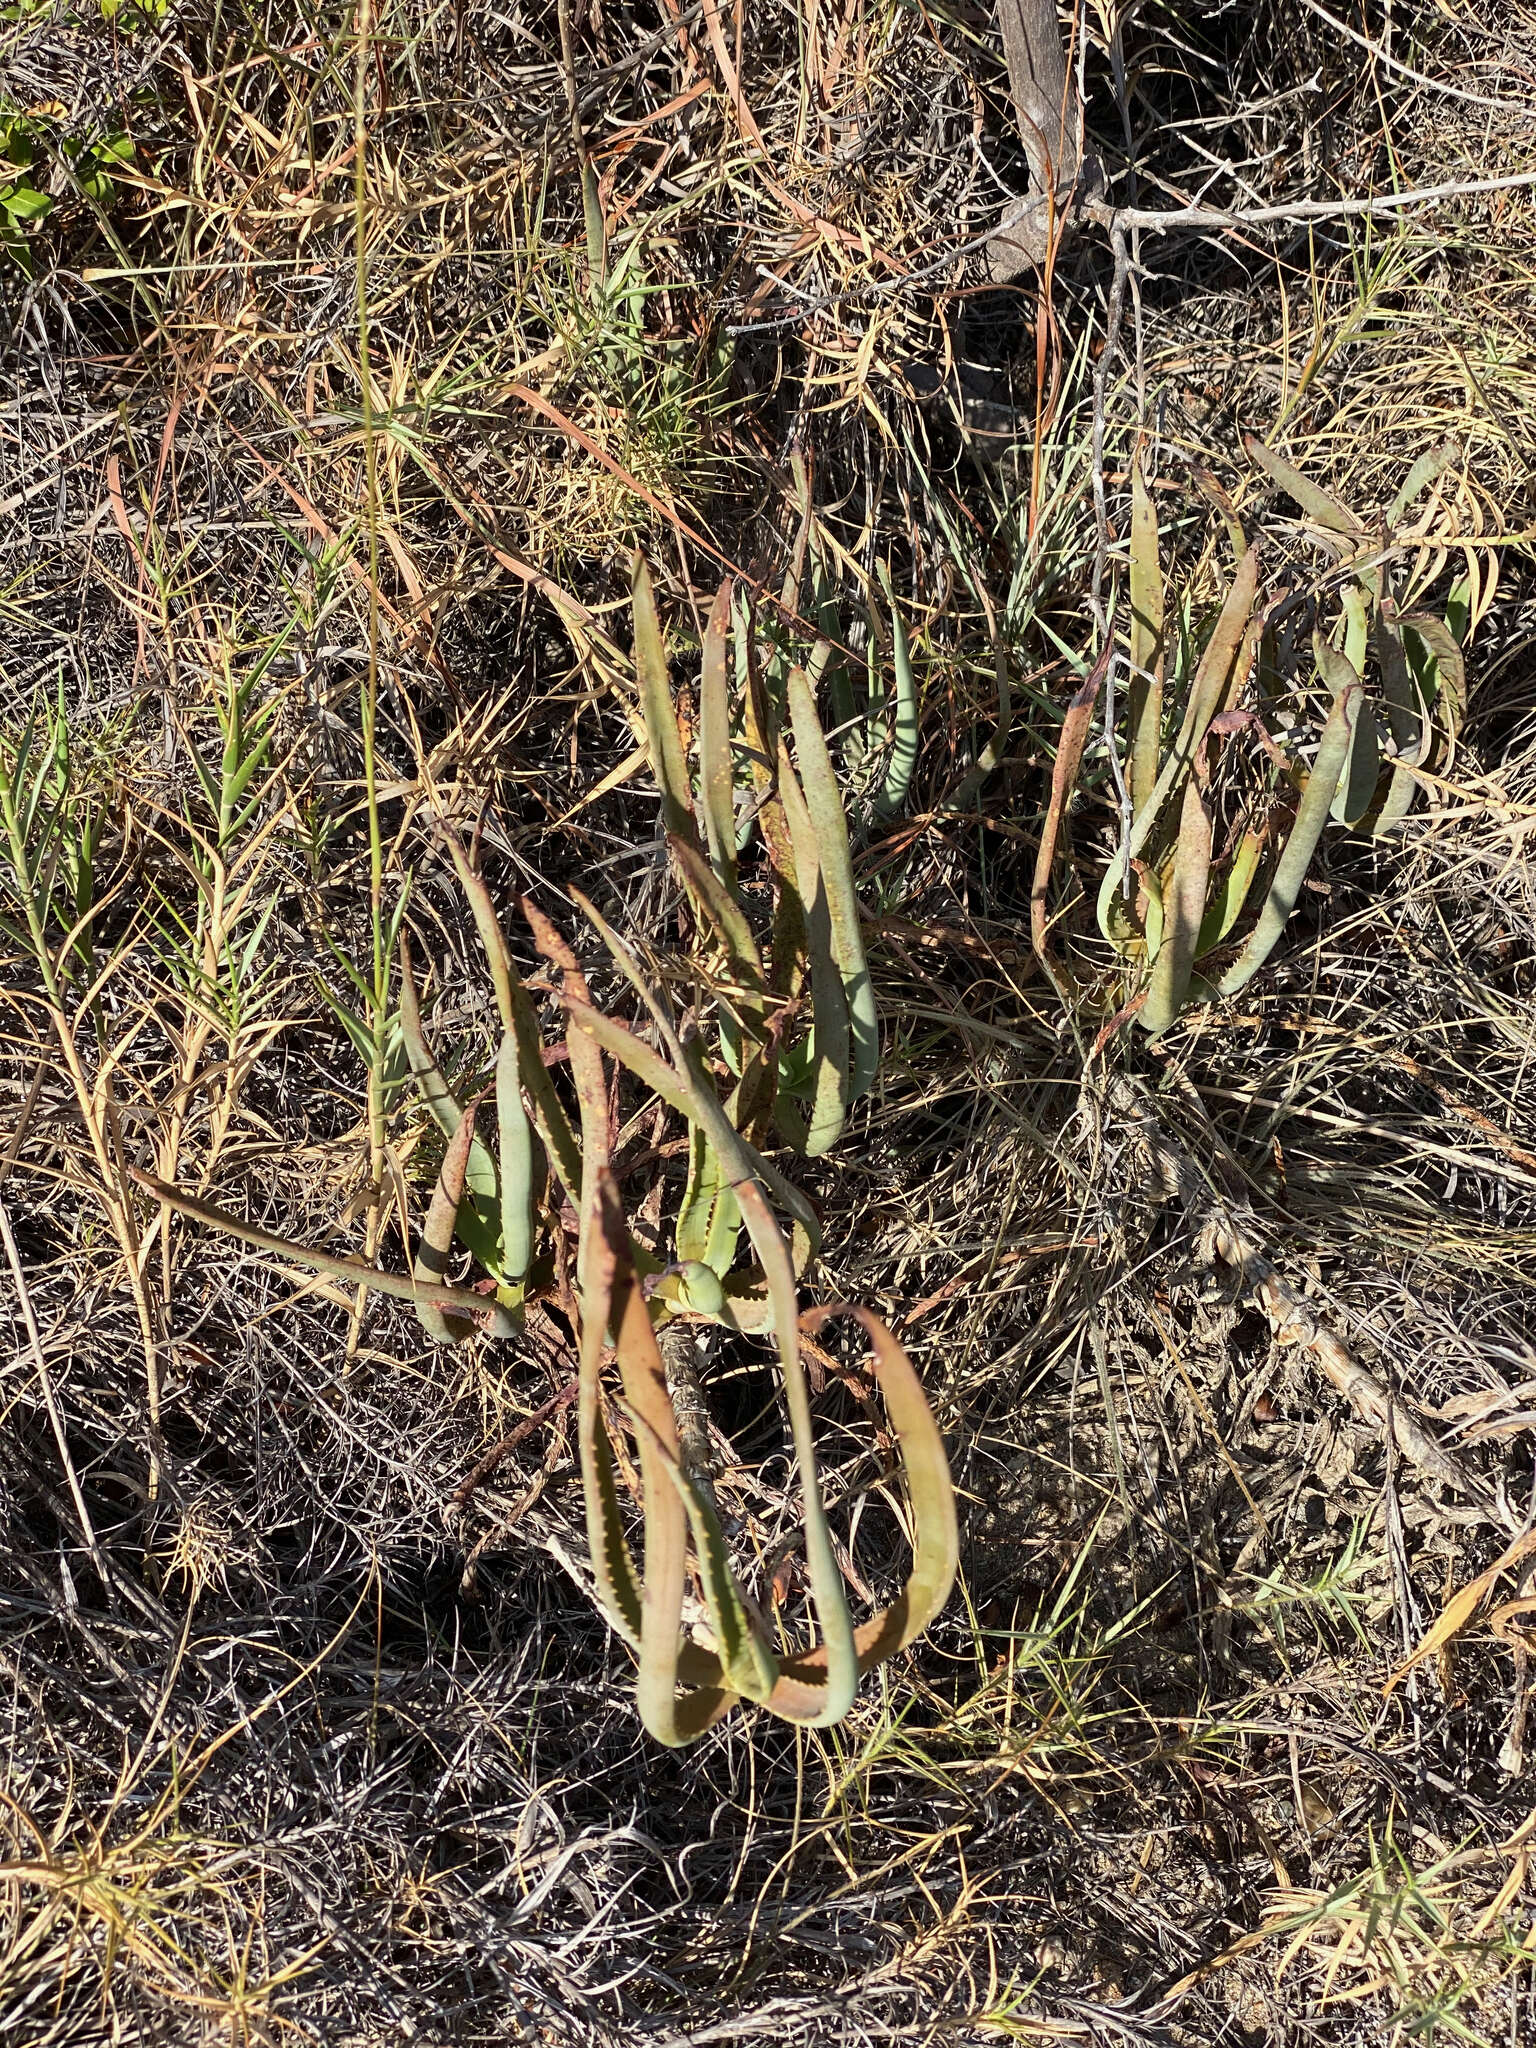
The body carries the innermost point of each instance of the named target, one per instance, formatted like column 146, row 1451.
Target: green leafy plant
column 793, row 1021
column 27, row 138
column 1218, row 837
column 23, row 204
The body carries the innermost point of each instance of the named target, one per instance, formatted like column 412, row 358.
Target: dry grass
column 304, row 1742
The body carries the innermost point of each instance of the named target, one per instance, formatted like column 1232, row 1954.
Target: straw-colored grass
column 313, row 1731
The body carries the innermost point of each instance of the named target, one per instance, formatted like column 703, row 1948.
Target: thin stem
column 370, row 701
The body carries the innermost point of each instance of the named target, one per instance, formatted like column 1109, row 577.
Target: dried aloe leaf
column 353, row 1272
column 1427, row 470
column 1070, row 743
column 1145, row 692
column 1311, row 818
column 695, row 1099
column 1438, row 667
column 652, row 1621
column 586, row 1063
column 1312, row 499
column 829, row 1003
column 436, row 1247
column 1218, row 496
column 1183, row 912
column 722, row 909
column 825, row 804
column 716, row 781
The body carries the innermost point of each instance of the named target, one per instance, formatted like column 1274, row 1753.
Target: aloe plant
column 1176, row 890
column 813, row 966
column 795, row 1020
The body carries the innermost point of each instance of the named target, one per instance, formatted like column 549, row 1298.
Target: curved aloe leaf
column 1183, row 912
column 1312, row 499
column 666, row 1658
column 898, row 775
column 829, row 1001
column 649, row 1620
column 935, row 1529
column 1227, row 906
column 1311, row 818
column 716, row 782
column 817, row 1705
column 353, row 1271
column 748, row 1665
column 436, row 1247
column 1206, row 693
column 825, row 804
column 517, row 1016
column 439, row 1098
column 1362, row 764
